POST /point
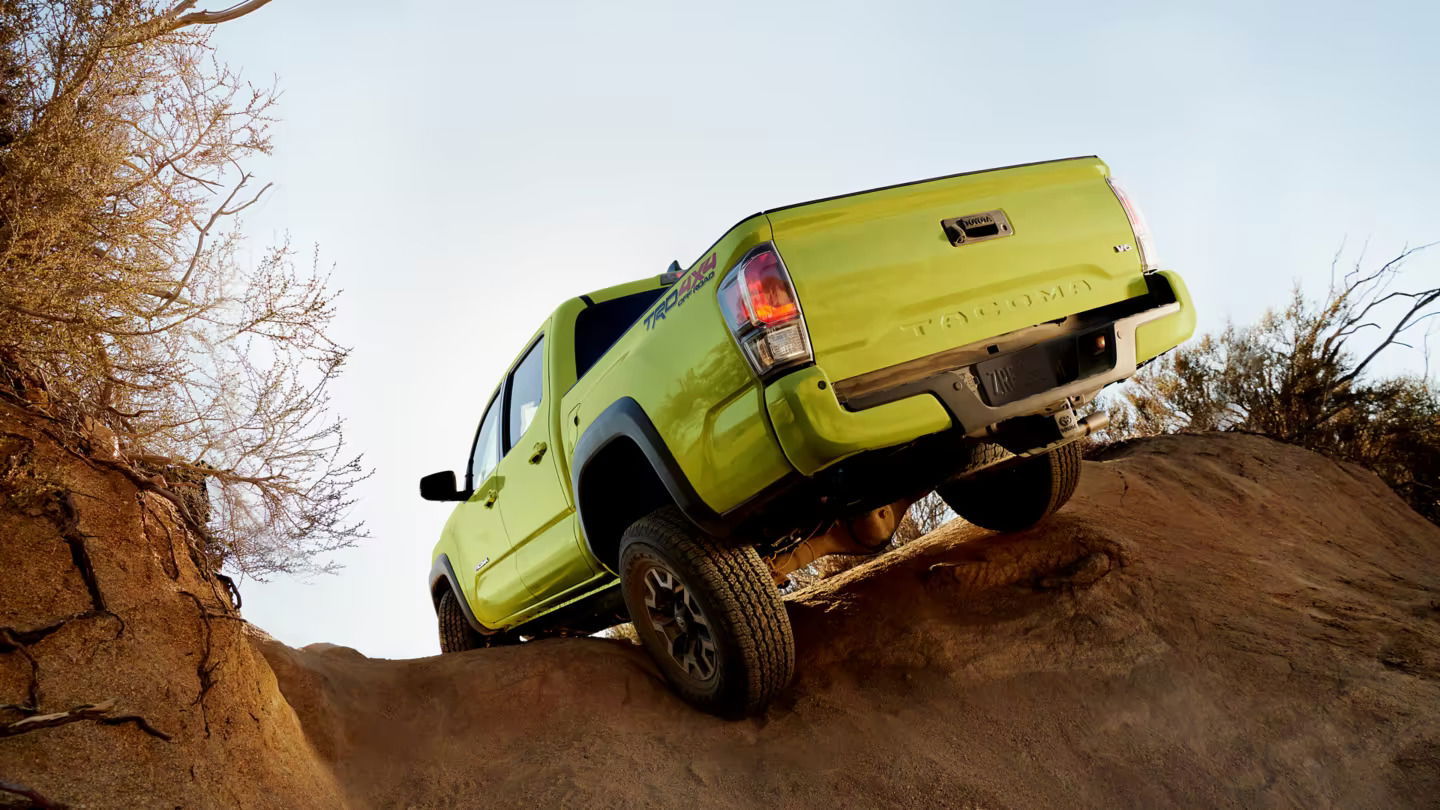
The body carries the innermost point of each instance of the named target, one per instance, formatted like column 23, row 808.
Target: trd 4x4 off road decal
column 692, row 281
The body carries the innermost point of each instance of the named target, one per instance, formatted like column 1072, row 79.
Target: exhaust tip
column 1095, row 421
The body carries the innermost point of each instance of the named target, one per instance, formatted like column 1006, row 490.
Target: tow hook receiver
column 1034, row 435
column 1071, row 427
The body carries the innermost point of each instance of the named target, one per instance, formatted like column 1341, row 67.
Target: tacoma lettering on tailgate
column 996, row 306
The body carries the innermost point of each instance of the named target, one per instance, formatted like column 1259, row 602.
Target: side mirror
column 441, row 486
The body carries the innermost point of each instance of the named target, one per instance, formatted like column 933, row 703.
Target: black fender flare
column 625, row 419
column 441, row 571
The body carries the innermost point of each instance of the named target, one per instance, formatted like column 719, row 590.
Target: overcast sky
column 468, row 165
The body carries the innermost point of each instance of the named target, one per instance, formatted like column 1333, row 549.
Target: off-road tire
column 456, row 634
column 979, row 456
column 744, row 615
column 1018, row 495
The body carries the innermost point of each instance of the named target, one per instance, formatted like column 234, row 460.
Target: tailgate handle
column 976, row 227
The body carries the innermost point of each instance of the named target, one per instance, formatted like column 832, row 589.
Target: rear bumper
column 815, row 430
column 1154, row 338
column 819, row 422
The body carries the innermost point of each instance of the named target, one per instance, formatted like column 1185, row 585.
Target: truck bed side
column 681, row 367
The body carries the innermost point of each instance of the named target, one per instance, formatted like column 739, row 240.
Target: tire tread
column 456, row 634
column 1017, row 496
column 749, row 604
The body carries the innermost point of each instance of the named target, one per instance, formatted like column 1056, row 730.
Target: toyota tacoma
column 671, row 449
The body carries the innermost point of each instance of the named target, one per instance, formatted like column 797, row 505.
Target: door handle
column 538, row 452
column 492, row 491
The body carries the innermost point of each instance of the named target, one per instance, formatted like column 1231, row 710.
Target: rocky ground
column 1215, row 620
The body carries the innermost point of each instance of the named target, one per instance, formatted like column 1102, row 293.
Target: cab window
column 526, row 386
column 598, row 326
column 486, row 454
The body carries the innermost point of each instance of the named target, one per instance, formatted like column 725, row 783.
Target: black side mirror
column 441, row 486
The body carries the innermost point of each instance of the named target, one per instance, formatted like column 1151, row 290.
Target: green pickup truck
column 669, row 450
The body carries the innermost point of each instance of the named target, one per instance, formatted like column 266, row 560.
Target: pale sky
column 466, row 166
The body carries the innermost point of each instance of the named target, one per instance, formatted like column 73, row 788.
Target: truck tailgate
column 881, row 281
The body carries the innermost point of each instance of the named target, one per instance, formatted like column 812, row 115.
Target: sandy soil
column 1213, row 621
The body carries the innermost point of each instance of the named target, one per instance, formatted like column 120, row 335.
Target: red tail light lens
column 763, row 313
column 758, row 293
column 772, row 302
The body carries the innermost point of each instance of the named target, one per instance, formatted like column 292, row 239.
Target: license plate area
column 1019, row 374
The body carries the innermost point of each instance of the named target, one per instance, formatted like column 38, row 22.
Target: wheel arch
column 442, row 577
column 621, row 471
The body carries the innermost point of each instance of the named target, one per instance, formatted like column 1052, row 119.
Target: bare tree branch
column 1296, row 376
column 235, row 12
column 202, row 233
column 180, row 17
column 1422, row 301
column 126, row 306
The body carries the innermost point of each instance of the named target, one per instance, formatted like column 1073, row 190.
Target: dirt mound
column 1217, row 620
column 106, row 621
column 1214, row 620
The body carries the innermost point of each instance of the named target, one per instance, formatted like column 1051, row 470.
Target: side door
column 535, row 504
column 489, row 563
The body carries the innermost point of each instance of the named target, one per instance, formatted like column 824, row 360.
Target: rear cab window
column 598, row 326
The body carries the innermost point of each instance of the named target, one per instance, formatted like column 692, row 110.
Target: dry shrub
column 128, row 310
column 1298, row 376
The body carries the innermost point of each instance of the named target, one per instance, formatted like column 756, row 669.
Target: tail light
column 1148, row 259
column 763, row 313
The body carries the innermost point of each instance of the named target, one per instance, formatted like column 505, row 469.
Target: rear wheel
column 708, row 613
column 456, row 634
column 1019, row 495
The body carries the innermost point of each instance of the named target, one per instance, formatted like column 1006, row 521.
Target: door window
column 526, row 385
column 487, row 446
